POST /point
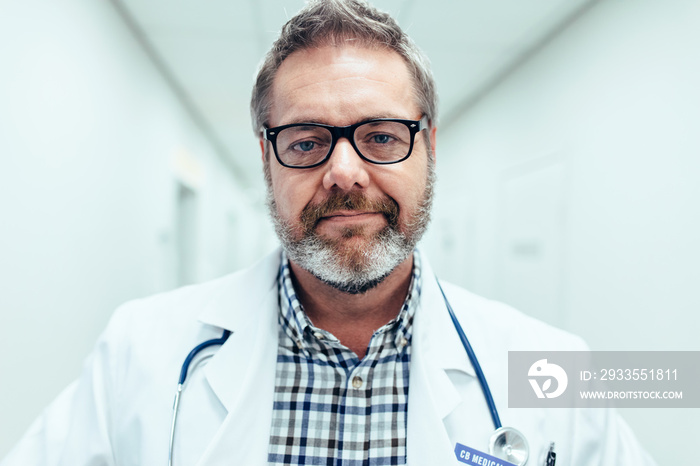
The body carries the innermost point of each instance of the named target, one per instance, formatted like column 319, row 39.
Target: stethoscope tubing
column 475, row 362
column 206, row 344
column 181, row 382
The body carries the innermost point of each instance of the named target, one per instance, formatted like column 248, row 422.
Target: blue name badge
column 470, row 456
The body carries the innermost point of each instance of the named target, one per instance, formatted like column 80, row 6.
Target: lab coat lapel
column 242, row 373
column 432, row 394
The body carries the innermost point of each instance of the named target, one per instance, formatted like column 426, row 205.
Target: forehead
column 342, row 84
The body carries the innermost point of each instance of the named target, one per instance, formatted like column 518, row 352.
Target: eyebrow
column 322, row 122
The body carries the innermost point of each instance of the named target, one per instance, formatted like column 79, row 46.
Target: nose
column 345, row 169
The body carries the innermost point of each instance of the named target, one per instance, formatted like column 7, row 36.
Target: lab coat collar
column 242, row 371
column 245, row 303
column 236, row 302
column 436, row 349
column 248, row 296
column 435, row 327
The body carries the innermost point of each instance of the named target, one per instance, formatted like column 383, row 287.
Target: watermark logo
column 542, row 370
column 603, row 379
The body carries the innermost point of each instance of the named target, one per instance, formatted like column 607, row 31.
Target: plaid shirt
column 330, row 408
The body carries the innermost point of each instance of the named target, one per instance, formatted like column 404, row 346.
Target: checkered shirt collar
column 297, row 325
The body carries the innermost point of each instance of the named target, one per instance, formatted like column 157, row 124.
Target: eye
column 304, row 146
column 381, row 138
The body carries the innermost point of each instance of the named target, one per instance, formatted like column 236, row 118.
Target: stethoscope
column 506, row 443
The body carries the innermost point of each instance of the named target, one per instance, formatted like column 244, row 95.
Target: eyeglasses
column 382, row 141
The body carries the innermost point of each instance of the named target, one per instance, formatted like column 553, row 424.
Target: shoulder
column 147, row 339
column 172, row 308
column 500, row 323
column 161, row 320
column 221, row 302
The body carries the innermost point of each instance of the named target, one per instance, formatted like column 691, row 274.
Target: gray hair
column 324, row 22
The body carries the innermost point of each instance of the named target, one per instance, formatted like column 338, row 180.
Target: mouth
column 349, row 210
column 348, row 216
column 349, row 213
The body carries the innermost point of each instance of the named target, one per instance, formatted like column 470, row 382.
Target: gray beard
column 353, row 270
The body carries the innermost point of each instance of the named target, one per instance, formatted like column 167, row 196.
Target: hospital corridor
column 567, row 160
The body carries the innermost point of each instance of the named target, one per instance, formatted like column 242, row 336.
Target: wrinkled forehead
column 347, row 77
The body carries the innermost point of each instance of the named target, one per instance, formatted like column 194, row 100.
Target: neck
column 352, row 318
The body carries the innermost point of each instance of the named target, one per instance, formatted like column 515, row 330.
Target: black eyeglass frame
column 347, row 132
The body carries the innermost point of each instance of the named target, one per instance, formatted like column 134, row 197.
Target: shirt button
column 318, row 335
column 402, row 342
column 357, row 382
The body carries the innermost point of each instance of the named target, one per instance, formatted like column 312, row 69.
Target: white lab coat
column 119, row 411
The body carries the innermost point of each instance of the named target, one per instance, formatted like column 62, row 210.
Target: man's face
column 348, row 222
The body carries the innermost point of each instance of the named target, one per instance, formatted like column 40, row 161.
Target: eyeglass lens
column 378, row 141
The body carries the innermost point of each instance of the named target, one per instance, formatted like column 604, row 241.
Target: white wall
column 571, row 191
column 93, row 145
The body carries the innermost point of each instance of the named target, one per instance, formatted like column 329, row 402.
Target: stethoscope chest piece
column 509, row 444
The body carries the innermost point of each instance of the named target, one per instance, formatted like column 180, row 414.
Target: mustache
column 354, row 200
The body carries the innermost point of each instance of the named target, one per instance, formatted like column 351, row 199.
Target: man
column 341, row 349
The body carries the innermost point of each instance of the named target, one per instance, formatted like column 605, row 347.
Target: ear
column 262, row 149
column 433, row 142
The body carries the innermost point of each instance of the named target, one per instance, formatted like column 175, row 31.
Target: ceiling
column 209, row 52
